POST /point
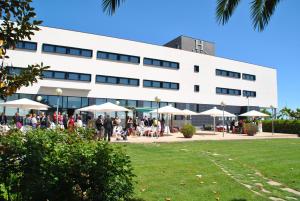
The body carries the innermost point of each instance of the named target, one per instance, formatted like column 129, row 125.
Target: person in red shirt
column 71, row 124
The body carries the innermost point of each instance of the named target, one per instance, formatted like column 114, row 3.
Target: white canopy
column 24, row 104
column 105, row 107
column 254, row 113
column 167, row 110
column 187, row 112
column 216, row 113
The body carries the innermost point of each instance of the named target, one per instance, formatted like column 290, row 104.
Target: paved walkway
column 205, row 135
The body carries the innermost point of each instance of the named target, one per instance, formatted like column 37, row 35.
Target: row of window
column 160, row 84
column 118, row 57
column 67, row 50
column 161, row 63
column 232, row 74
column 226, row 73
column 117, row 80
column 66, row 75
column 26, row 45
column 235, row 92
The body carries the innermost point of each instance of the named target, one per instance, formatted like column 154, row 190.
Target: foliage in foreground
column 188, row 130
column 282, row 126
column 55, row 165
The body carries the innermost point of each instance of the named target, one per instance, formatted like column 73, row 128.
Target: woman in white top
column 34, row 121
column 79, row 122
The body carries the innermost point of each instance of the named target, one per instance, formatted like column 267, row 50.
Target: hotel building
column 93, row 69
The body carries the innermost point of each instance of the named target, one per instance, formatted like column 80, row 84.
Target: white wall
column 265, row 84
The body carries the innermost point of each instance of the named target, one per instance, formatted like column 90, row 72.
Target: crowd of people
column 105, row 126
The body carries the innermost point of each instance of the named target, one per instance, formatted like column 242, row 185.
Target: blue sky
column 158, row 21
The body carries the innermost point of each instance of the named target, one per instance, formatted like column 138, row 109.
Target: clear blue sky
column 158, row 21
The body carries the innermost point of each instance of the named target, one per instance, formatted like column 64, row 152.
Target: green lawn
column 230, row 170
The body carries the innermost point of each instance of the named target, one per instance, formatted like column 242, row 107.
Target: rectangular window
column 112, row 80
column 26, row 45
column 196, row 88
column 118, row 57
column 249, row 77
column 67, row 50
column 234, row 92
column 196, row 69
column 161, row 63
column 117, row 80
column 73, row 76
column 249, row 93
column 85, row 77
column 66, row 75
column 226, row 73
column 59, row 75
column 160, row 84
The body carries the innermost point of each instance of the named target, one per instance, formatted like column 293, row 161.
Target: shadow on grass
column 136, row 199
column 238, row 199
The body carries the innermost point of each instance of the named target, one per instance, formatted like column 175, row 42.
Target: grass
column 227, row 170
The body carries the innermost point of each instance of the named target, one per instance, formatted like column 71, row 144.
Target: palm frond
column 110, row 6
column 225, row 9
column 261, row 12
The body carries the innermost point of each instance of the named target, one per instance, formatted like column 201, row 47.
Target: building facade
column 93, row 69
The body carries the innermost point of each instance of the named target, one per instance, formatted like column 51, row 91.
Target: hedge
column 282, row 126
column 56, row 165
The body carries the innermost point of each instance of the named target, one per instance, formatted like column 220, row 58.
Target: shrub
column 282, row 126
column 250, row 128
column 56, row 165
column 188, row 130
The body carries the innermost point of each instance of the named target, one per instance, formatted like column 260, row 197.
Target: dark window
column 47, row 74
column 159, row 84
column 134, row 82
column 161, row 63
column 112, row 80
column 59, row 75
column 74, row 102
column 74, row 51
column 196, row 69
column 118, row 57
column 48, row 48
column 234, row 92
column 85, row 77
column 100, row 78
column 147, row 83
column 61, row 50
column 147, row 61
column 67, row 50
column 226, row 73
column 249, row 77
column 117, row 80
column 26, row 45
column 73, row 76
column 196, row 88
column 249, row 93
column 124, row 81
column 156, row 84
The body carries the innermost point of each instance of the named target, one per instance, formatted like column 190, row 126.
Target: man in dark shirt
column 108, row 126
column 3, row 119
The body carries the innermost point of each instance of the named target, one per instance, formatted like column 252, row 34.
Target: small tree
column 17, row 24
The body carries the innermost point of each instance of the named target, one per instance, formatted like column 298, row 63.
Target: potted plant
column 188, row 130
column 250, row 129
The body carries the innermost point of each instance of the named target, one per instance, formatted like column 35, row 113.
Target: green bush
column 250, row 128
column 57, row 165
column 188, row 130
column 282, row 126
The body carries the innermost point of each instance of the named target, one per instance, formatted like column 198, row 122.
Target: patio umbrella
column 167, row 110
column 253, row 113
column 187, row 112
column 24, row 104
column 214, row 112
column 105, row 107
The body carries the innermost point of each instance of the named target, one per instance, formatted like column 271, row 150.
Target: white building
column 92, row 69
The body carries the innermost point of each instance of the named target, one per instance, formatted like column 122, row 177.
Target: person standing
column 108, row 126
column 43, row 121
column 17, row 120
column 130, row 125
column 3, row 119
column 79, row 123
column 34, row 121
column 71, row 124
column 99, row 126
